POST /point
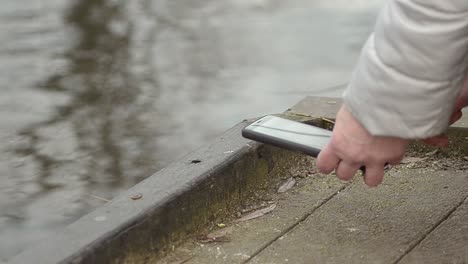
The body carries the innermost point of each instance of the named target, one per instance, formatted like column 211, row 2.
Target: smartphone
column 288, row 134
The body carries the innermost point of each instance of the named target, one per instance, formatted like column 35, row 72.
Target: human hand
column 352, row 147
column 460, row 103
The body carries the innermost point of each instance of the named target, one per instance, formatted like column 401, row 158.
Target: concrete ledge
column 328, row 107
column 208, row 184
column 175, row 201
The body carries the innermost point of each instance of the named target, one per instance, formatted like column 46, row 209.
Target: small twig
column 99, row 198
column 328, row 120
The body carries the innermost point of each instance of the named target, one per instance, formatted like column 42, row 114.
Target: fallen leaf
column 408, row 160
column 287, row 185
column 250, row 209
column 221, row 232
column 221, row 225
column 220, row 235
column 207, row 239
column 257, row 213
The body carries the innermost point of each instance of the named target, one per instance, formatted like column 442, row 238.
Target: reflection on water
column 99, row 94
column 91, row 146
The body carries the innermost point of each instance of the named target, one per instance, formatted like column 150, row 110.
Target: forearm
column 411, row 69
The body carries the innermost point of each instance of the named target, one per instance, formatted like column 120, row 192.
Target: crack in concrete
column 432, row 229
column 290, row 228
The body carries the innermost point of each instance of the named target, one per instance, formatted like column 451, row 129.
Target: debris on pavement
column 287, row 185
column 257, row 213
column 204, row 239
column 432, row 153
column 221, row 235
column 409, row 160
column 136, row 196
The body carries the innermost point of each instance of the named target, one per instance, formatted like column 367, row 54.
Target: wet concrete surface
column 97, row 95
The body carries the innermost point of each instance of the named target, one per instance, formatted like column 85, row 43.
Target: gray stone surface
column 362, row 225
column 414, row 216
column 247, row 238
column 446, row 244
column 317, row 106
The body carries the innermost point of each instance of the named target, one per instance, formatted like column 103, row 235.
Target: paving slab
column 449, row 241
column 248, row 238
column 317, row 106
column 362, row 225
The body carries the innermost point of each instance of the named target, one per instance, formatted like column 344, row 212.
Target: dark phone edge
column 278, row 142
column 286, row 145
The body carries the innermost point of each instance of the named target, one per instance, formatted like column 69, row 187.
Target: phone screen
column 292, row 131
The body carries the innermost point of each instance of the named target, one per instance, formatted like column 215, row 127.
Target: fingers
column 327, row 160
column 352, row 145
column 347, row 170
column 374, row 174
column 437, row 141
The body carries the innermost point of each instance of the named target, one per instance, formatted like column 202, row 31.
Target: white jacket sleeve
column 411, row 68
